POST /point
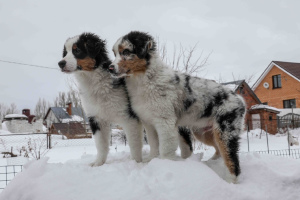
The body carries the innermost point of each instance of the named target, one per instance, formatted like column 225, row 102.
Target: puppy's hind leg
column 101, row 133
column 134, row 133
column 185, row 141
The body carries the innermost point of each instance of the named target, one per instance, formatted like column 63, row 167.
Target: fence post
column 248, row 128
column 267, row 137
column 289, row 145
column 47, row 139
column 50, row 146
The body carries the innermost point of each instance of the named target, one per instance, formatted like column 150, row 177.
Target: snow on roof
column 74, row 118
column 15, row 116
column 232, row 87
column 262, row 106
column 289, row 111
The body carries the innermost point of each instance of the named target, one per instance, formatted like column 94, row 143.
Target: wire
column 28, row 64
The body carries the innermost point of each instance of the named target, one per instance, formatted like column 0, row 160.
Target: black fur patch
column 218, row 99
column 140, row 41
column 117, row 83
column 225, row 121
column 208, row 109
column 233, row 146
column 94, row 125
column 64, row 52
column 185, row 133
column 187, row 84
column 175, row 80
column 91, row 45
column 188, row 103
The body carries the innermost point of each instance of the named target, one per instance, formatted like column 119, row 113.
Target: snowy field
column 65, row 175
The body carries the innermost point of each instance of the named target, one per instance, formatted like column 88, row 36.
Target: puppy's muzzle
column 112, row 69
column 62, row 64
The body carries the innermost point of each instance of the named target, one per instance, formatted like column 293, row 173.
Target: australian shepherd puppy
column 164, row 99
column 105, row 100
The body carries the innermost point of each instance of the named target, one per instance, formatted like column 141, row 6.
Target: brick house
column 257, row 115
column 70, row 130
column 279, row 85
column 70, row 121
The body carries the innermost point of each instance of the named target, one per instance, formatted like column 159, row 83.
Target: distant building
column 70, row 130
column 70, row 121
column 19, row 123
column 31, row 118
column 279, row 85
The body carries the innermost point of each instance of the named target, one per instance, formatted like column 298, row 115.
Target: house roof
column 10, row 116
column 63, row 116
column 292, row 69
column 71, row 128
column 266, row 107
column 234, row 85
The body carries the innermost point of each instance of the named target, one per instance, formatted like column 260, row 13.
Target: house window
column 276, row 81
column 291, row 103
column 270, row 117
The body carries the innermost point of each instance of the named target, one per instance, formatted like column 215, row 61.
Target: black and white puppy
column 164, row 99
column 105, row 100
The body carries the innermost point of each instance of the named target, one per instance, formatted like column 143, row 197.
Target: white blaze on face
column 71, row 62
column 118, row 57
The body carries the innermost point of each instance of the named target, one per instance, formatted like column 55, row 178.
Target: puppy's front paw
column 97, row 163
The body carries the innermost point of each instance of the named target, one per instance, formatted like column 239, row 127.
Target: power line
column 28, row 64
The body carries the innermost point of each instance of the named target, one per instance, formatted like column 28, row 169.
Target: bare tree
column 12, row 109
column 38, row 109
column 3, row 111
column 41, row 108
column 184, row 59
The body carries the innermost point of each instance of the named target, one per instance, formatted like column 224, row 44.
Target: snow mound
column 263, row 177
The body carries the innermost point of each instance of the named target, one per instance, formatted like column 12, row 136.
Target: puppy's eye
column 77, row 50
column 126, row 52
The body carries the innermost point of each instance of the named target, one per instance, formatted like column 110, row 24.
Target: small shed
column 72, row 130
column 263, row 117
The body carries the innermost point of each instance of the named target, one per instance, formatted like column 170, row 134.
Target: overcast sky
column 243, row 36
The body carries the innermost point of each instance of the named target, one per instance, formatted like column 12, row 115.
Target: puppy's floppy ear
column 149, row 45
column 145, row 48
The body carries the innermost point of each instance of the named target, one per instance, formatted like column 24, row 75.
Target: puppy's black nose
column 111, row 69
column 62, row 64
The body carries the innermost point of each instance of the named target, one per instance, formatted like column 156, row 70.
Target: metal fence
column 271, row 134
column 293, row 153
column 7, row 173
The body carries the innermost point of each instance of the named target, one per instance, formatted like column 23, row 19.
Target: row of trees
column 5, row 110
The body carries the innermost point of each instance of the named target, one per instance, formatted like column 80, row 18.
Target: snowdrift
column 263, row 177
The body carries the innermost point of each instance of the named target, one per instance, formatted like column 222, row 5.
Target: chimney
column 69, row 108
column 26, row 112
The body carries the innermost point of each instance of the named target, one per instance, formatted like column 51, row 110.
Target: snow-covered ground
column 66, row 175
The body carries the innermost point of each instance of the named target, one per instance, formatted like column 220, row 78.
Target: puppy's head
column 132, row 54
column 85, row 52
